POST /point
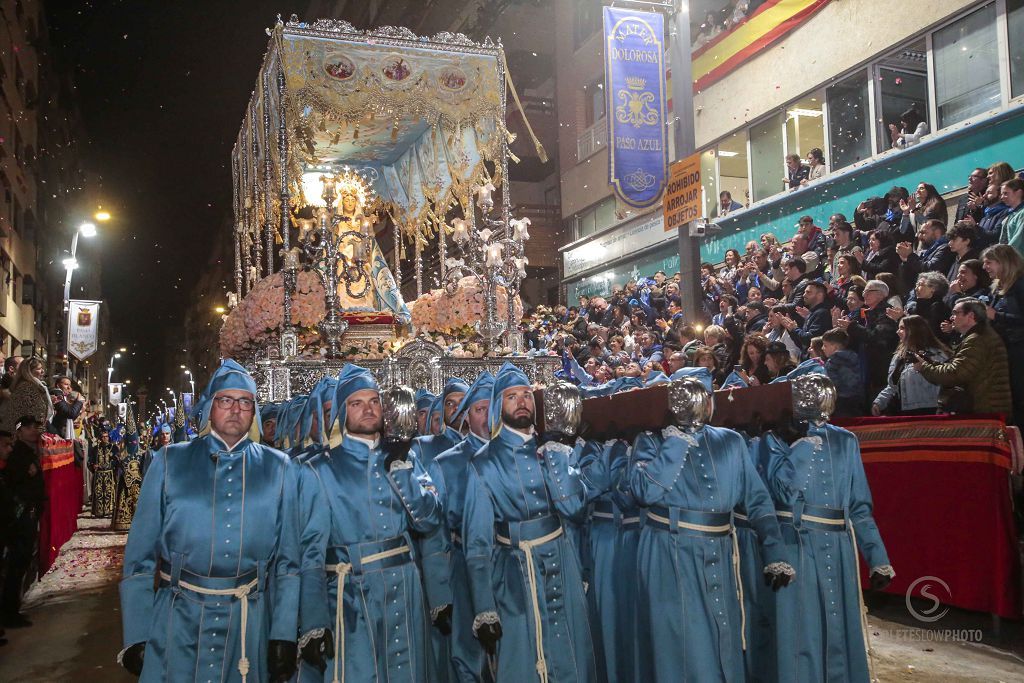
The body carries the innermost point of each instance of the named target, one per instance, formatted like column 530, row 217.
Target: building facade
column 834, row 82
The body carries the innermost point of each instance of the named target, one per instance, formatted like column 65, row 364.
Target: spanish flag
column 770, row 22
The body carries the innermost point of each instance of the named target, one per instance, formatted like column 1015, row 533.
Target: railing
column 592, row 140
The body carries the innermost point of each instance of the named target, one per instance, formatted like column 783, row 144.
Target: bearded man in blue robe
column 524, row 574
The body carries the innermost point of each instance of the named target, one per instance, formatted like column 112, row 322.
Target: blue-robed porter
column 212, row 566
column 524, row 574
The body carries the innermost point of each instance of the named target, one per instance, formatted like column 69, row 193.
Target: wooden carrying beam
column 624, row 414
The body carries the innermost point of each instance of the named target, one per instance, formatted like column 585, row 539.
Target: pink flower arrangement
column 259, row 316
column 456, row 314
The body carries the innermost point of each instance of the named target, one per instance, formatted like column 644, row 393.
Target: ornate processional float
column 353, row 135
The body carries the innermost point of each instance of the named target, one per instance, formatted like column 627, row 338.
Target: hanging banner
column 634, row 77
column 122, row 410
column 187, row 401
column 683, row 197
column 115, row 393
column 83, row 328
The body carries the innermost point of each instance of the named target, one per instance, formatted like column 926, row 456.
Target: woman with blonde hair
column 1006, row 313
column 29, row 396
column 999, row 173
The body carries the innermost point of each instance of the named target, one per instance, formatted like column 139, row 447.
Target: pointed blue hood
column 808, row 367
column 701, row 374
column 508, row 376
column 351, row 379
column 479, row 391
column 424, row 399
column 230, row 375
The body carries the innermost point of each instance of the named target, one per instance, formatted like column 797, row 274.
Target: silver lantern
column 399, row 407
column 690, row 402
column 563, row 408
column 814, row 398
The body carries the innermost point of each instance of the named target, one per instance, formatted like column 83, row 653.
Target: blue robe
column 758, row 599
column 689, row 617
column 512, row 495
column 824, row 639
column 612, row 537
column 426, row 449
column 357, row 510
column 216, row 519
column 450, row 473
column 429, row 447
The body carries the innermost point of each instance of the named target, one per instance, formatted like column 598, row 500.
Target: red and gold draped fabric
column 770, row 22
column 941, row 488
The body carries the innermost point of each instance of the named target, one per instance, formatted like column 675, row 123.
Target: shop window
column 805, row 125
column 732, row 168
column 848, row 120
column 1015, row 30
column 767, row 159
column 965, row 54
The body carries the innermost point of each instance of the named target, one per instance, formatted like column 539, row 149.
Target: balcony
column 592, row 140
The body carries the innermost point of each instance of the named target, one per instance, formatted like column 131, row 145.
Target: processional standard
column 353, row 136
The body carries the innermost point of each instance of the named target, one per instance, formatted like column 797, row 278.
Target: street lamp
column 191, row 381
column 102, row 216
column 110, row 368
column 70, row 263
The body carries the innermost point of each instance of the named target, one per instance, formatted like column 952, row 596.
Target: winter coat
column 980, row 367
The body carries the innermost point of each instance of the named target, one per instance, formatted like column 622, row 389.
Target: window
column 589, row 16
column 902, row 80
column 805, row 129
column 767, row 160
column 597, row 218
column 732, row 168
column 1015, row 29
column 593, row 102
column 966, row 67
column 848, row 120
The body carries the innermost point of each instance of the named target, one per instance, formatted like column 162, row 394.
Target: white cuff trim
column 777, row 568
column 310, row 635
column 434, row 613
column 485, row 618
column 884, row 570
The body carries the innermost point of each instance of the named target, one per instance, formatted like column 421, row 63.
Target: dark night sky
column 162, row 88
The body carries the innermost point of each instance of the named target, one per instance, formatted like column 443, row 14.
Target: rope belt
column 706, row 524
column 241, row 593
column 812, row 516
column 527, row 546
column 604, row 510
column 341, row 570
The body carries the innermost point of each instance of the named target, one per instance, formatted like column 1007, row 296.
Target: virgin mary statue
column 365, row 283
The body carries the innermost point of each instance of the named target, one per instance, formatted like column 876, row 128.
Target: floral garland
column 259, row 317
column 455, row 315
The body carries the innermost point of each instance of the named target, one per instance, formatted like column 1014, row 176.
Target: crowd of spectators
column 907, row 315
column 28, row 408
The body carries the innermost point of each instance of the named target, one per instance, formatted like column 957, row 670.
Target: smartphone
column 737, row 368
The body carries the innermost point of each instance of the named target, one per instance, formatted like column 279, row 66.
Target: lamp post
column 110, row 368
column 191, row 380
column 70, row 263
